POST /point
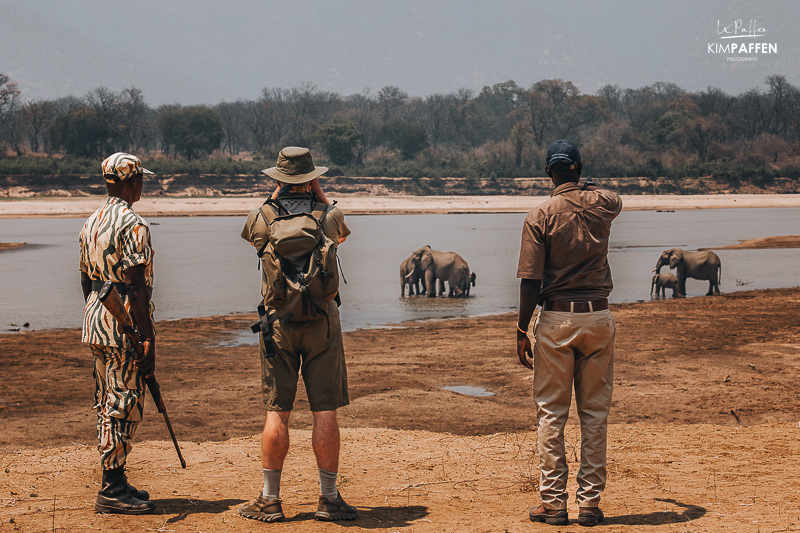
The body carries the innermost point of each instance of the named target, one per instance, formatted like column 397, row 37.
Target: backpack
column 299, row 262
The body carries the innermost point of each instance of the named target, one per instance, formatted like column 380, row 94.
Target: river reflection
column 204, row 268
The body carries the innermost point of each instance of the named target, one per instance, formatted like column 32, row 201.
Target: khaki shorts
column 306, row 347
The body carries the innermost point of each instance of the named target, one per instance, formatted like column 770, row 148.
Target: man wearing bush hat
column 115, row 246
column 563, row 265
column 288, row 348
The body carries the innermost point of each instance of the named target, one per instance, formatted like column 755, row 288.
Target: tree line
column 502, row 131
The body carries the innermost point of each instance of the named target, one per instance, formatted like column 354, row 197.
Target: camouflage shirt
column 113, row 239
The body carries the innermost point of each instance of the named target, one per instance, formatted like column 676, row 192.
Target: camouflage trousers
column 119, row 402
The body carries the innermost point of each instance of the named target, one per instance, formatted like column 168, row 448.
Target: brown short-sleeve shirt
column 565, row 244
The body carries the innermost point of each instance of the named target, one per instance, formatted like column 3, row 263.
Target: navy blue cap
column 563, row 152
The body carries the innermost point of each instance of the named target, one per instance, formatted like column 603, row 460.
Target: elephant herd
column 703, row 265
column 426, row 270
column 423, row 268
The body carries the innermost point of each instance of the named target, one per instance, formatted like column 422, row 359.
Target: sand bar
column 218, row 206
column 781, row 241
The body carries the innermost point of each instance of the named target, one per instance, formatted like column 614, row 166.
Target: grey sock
column 272, row 484
column 327, row 484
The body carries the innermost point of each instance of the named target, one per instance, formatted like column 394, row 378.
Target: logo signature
column 738, row 29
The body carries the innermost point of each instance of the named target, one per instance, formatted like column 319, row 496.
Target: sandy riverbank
column 782, row 241
column 219, row 206
column 703, row 433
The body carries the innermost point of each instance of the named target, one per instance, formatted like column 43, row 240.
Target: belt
column 576, row 307
column 97, row 284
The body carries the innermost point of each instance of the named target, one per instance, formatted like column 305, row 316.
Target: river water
column 203, row 267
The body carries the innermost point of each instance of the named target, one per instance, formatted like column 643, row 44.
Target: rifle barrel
column 110, row 299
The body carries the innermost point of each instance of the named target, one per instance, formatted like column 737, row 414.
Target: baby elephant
column 460, row 280
column 662, row 282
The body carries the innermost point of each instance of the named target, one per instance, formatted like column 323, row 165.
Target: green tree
column 700, row 132
column 495, row 106
column 339, row 140
column 556, row 109
column 9, row 105
column 36, row 117
column 666, row 129
column 83, row 133
column 405, row 136
column 190, row 131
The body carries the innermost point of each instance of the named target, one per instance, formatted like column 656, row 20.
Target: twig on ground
column 425, row 483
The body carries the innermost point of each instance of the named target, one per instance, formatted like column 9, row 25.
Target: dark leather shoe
column 261, row 509
column 590, row 516
column 133, row 491
column 338, row 509
column 115, row 498
column 553, row 517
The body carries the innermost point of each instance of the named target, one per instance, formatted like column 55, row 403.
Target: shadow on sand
column 368, row 517
column 689, row 512
column 376, row 517
column 183, row 507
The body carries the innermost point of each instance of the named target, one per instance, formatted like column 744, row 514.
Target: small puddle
column 469, row 390
column 240, row 338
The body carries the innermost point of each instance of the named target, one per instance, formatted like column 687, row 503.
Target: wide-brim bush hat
column 564, row 154
column 121, row 166
column 295, row 166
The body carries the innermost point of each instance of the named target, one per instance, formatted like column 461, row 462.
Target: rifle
column 110, row 299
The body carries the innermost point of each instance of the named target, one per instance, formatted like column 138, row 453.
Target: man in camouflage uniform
column 115, row 245
column 313, row 348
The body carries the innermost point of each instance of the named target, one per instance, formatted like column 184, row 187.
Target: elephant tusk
column 410, row 274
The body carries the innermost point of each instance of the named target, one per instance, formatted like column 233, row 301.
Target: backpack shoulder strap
column 268, row 215
column 320, row 210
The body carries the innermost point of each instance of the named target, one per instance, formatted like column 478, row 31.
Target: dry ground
column 703, row 431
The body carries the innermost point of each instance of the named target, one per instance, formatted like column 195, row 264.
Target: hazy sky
column 207, row 51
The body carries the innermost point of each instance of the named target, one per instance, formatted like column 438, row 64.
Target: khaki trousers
column 573, row 349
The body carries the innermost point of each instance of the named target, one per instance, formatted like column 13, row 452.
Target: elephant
column 460, row 280
column 412, row 277
column 662, row 282
column 437, row 266
column 704, row 265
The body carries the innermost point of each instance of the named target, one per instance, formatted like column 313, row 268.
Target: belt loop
column 572, row 307
column 591, row 310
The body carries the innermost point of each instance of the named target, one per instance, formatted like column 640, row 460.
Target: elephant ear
column 427, row 259
column 675, row 257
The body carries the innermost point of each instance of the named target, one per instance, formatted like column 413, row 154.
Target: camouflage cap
column 121, row 166
column 295, row 166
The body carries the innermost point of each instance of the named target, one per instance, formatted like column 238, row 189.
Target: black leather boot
column 115, row 498
column 133, row 491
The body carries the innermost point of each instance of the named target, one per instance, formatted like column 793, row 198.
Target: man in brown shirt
column 563, row 265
